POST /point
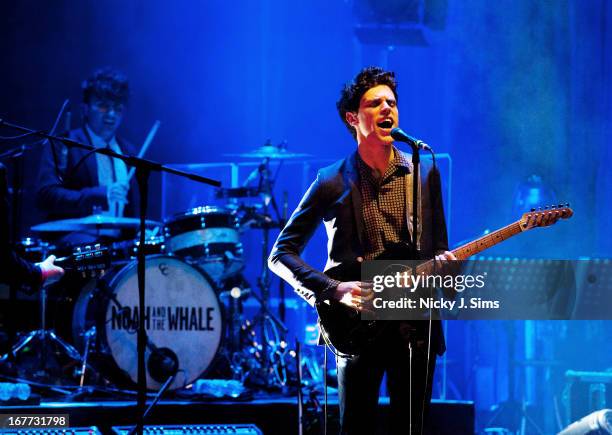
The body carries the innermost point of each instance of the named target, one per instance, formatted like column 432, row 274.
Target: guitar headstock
column 91, row 260
column 545, row 216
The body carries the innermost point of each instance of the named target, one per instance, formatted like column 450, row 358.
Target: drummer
column 74, row 183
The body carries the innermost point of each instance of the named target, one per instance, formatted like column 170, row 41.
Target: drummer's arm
column 54, row 198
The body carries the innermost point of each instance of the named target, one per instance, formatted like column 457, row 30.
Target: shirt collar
column 98, row 142
column 400, row 159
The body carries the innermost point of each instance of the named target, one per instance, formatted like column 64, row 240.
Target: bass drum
column 183, row 320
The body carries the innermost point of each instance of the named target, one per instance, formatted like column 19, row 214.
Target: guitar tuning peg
column 560, row 206
column 533, row 209
column 545, row 207
column 567, row 204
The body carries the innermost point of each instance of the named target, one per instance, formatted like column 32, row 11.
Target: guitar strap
column 416, row 241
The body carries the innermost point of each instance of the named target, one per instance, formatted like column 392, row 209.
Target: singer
column 72, row 182
column 364, row 200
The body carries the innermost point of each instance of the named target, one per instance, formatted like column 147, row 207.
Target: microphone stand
column 143, row 170
column 416, row 160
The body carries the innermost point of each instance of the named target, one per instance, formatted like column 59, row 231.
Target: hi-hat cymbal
column 93, row 222
column 270, row 152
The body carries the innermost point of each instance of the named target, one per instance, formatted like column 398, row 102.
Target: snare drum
column 183, row 320
column 207, row 236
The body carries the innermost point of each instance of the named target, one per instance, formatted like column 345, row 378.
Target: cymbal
column 270, row 152
column 93, row 222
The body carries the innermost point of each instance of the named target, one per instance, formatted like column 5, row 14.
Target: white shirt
column 110, row 169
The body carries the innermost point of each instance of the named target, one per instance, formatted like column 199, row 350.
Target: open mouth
column 386, row 124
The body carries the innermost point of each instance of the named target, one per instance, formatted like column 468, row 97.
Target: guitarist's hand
column 354, row 294
column 50, row 272
column 445, row 256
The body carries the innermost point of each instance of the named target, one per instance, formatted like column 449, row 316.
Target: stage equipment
column 45, row 344
column 92, row 223
column 209, row 237
column 270, row 151
column 182, row 315
column 143, row 169
column 205, row 429
column 91, row 430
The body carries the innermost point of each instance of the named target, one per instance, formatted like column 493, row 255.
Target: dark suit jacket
column 334, row 198
column 79, row 191
column 13, row 269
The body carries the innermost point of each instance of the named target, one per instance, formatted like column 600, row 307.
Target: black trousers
column 401, row 352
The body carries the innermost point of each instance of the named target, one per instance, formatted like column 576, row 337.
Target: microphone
column 399, row 135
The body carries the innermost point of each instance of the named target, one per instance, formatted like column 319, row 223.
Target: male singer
column 365, row 202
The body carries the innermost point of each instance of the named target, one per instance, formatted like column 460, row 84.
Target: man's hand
column 117, row 193
column 354, row 294
column 50, row 272
column 445, row 256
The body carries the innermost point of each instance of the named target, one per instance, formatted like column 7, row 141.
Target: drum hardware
column 183, row 323
column 269, row 371
column 271, row 152
column 208, row 237
column 92, row 223
column 143, row 170
column 162, row 362
column 89, row 336
column 89, row 261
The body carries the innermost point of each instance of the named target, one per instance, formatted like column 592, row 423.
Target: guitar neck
column 487, row 241
column 478, row 245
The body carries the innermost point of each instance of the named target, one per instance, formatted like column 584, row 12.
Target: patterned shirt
column 384, row 205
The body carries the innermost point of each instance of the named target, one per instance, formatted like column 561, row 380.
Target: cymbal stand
column 89, row 335
column 264, row 316
column 45, row 336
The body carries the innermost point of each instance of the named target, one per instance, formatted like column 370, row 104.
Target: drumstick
column 145, row 146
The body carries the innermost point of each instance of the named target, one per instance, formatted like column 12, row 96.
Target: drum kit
column 195, row 289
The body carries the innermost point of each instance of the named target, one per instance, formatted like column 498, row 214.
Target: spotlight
column 596, row 423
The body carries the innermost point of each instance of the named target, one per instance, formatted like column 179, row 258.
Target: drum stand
column 45, row 339
column 265, row 319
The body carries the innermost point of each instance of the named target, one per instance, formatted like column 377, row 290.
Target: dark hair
column 351, row 94
column 106, row 84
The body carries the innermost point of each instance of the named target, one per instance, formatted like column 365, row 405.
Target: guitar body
column 341, row 326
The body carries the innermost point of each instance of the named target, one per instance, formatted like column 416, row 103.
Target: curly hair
column 106, row 84
column 350, row 95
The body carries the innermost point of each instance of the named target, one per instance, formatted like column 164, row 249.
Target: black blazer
column 335, row 199
column 79, row 191
column 13, row 269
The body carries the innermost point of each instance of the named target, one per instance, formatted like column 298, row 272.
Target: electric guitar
column 342, row 326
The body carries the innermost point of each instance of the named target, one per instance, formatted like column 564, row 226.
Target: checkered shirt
column 383, row 199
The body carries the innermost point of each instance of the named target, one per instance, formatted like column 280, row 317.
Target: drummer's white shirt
column 105, row 168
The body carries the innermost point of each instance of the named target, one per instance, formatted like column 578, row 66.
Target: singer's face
column 376, row 117
column 104, row 117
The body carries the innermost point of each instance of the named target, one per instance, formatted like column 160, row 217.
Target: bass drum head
column 183, row 319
